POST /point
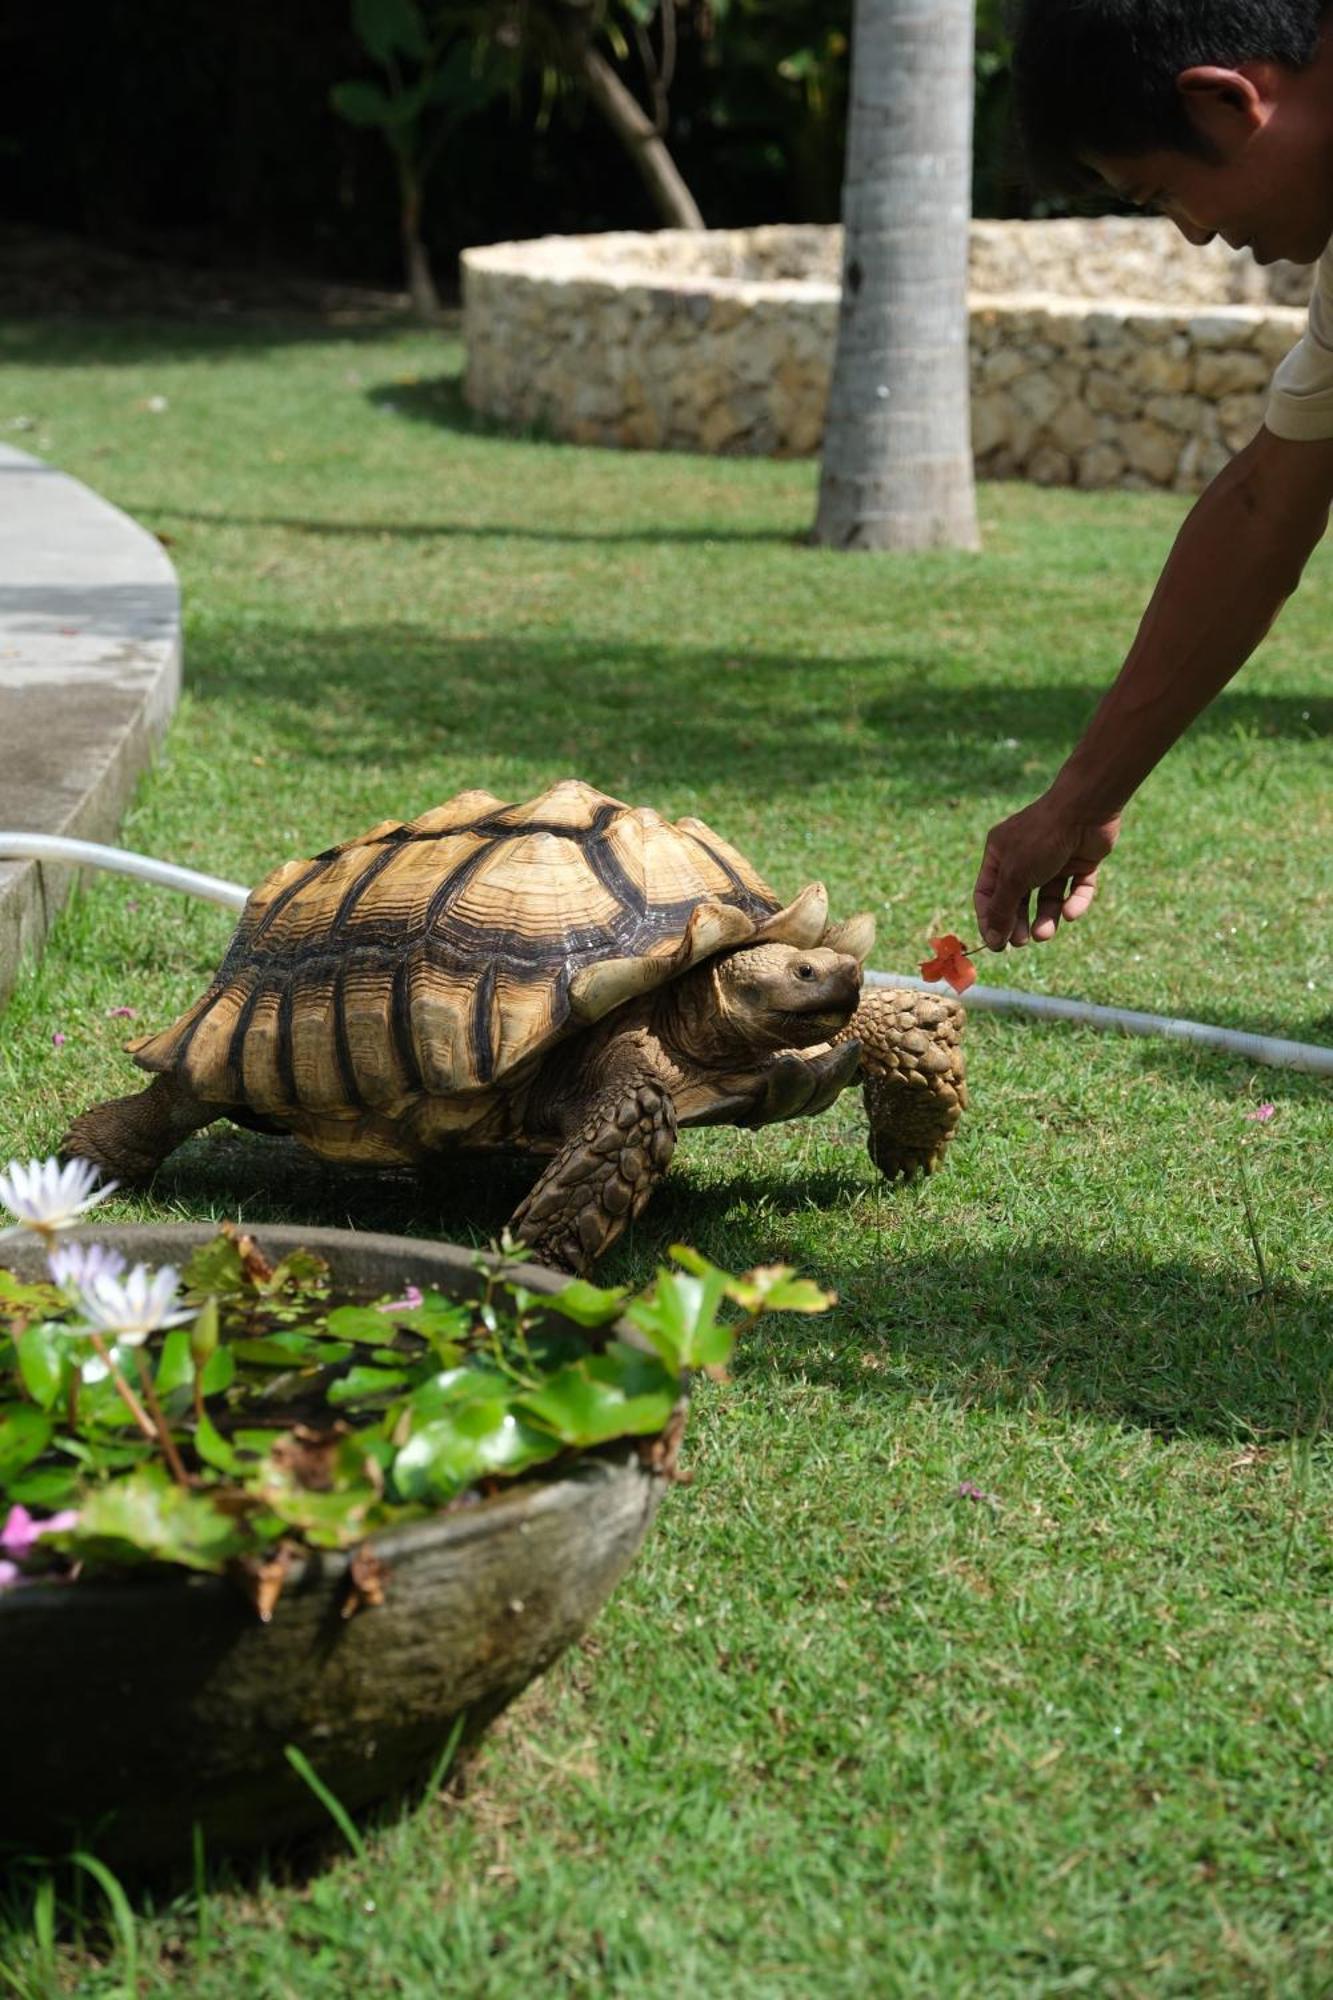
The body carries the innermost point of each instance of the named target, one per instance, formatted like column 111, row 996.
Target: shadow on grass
column 465, row 531
column 1111, row 1329
column 79, row 340
column 619, row 712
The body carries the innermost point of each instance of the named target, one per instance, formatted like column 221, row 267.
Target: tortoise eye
column 805, row 970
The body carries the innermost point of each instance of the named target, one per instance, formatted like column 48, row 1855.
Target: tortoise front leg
column 912, row 1076
column 603, row 1174
column 129, row 1137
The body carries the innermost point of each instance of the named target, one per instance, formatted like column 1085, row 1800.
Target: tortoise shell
column 435, row 957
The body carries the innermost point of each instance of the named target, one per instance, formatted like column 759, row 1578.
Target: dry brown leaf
column 254, row 1263
column 366, row 1579
column 262, row 1579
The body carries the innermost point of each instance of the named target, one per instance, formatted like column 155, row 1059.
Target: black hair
column 1099, row 76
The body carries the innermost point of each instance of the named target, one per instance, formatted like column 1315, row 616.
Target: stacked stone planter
column 1103, row 353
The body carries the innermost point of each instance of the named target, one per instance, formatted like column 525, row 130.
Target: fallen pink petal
column 120, row 1013
column 969, row 1490
column 1261, row 1114
column 409, row 1302
column 21, row 1531
column 58, row 1040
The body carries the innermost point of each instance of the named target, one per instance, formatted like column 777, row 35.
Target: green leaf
column 367, row 1385
column 50, row 1486
column 219, row 1373
column 215, row 1267
column 301, row 1273
column 364, row 1324
column 175, row 1369
column 281, row 1350
column 768, row 1288
column 442, row 1323
column 213, row 1448
column 23, row 1301
column 469, row 1384
column 330, row 1516
column 620, row 1394
column 24, row 1436
column 585, row 1304
column 363, row 104
column 146, row 1517
column 452, row 1452
column 679, row 1316
column 388, row 28
column 43, row 1353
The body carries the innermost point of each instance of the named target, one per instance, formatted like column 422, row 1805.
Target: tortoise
column 569, row 976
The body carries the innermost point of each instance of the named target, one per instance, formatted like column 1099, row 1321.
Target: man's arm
column 1237, row 559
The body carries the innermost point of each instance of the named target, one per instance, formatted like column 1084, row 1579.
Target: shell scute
column 434, row 956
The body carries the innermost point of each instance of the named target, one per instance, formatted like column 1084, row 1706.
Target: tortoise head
column 777, row 996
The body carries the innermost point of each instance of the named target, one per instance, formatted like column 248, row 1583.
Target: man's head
column 1217, row 112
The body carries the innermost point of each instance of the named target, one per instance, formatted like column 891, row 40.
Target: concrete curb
column 90, row 666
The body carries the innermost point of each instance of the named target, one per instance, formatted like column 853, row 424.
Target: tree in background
column 897, row 463
column 443, row 60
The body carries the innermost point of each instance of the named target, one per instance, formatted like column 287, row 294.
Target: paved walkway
column 90, row 660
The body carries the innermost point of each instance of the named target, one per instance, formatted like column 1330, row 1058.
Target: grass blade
column 122, row 1916
column 333, row 1805
column 446, row 1756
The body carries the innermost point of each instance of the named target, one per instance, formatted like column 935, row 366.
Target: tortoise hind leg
column 912, row 1076
column 129, row 1137
column 603, row 1174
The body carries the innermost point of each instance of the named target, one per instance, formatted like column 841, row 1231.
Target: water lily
column 46, row 1196
column 131, row 1308
column 74, row 1265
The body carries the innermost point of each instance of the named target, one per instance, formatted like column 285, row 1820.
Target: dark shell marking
column 435, row 957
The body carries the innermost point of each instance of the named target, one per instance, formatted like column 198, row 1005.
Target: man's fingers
column 1050, row 908
column 1081, row 896
column 1000, row 904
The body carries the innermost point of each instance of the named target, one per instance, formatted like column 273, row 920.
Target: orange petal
column 960, row 973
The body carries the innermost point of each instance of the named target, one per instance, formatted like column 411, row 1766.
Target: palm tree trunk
column 897, row 463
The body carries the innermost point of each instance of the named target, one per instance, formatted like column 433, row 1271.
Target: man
column 1218, row 113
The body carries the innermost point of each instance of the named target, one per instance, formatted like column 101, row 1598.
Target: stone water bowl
column 140, row 1706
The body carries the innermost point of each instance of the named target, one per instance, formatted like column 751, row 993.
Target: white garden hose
column 1312, row 1057
column 1271, row 1049
column 87, row 854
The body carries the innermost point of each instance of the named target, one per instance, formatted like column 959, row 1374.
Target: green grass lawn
column 844, row 1730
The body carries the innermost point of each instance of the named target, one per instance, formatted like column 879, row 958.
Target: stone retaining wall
column 1104, row 353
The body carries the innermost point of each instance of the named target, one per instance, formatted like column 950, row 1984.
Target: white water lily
column 131, row 1308
column 44, row 1195
column 76, row 1265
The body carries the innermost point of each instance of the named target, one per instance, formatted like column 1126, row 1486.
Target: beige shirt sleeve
column 1300, row 402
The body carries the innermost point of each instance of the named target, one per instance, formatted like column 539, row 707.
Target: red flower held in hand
column 951, row 962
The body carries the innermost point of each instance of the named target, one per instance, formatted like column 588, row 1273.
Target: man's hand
column 1044, row 849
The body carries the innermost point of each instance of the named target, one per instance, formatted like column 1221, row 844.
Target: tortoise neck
column 695, row 1024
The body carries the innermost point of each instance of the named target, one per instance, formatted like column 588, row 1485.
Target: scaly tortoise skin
column 570, row 976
